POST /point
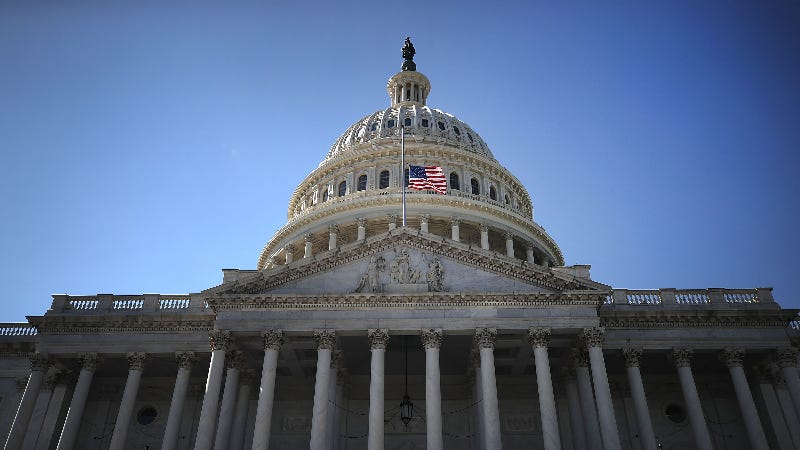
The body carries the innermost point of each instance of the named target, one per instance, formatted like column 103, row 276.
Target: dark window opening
column 675, row 413
column 407, row 122
column 476, row 189
column 425, row 123
column 374, row 126
column 441, row 125
column 362, row 183
column 492, row 193
column 390, row 123
column 454, row 181
column 146, row 415
column 507, row 201
column 384, row 180
column 458, row 132
column 325, row 195
column 342, row 188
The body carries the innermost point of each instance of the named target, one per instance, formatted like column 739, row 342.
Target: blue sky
column 144, row 146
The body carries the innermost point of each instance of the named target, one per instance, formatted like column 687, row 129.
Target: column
column 432, row 341
column 484, row 236
column 529, row 253
column 774, row 417
column 377, row 342
column 39, row 364
column 633, row 358
column 575, row 419
column 509, row 245
column 308, row 249
column 362, row 228
column 485, row 338
column 227, row 408
column 273, row 339
column 219, row 341
column 539, row 339
column 787, row 408
column 239, row 426
column 136, row 362
column 332, row 434
column 682, row 358
column 478, row 379
column 588, row 409
column 72, row 423
column 732, row 357
column 392, row 220
column 47, row 430
column 787, row 362
column 185, row 361
column 341, row 376
column 40, row 408
column 333, row 232
column 423, row 222
column 454, row 232
column 593, row 338
column 325, row 343
column 288, row 251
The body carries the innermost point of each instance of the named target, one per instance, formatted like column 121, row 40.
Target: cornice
column 658, row 318
column 100, row 324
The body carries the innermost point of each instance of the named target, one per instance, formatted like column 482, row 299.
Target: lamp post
column 406, row 406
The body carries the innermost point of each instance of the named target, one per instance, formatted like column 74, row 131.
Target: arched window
column 476, row 188
column 492, row 193
column 507, row 201
column 454, row 181
column 342, row 188
column 362, row 183
column 325, row 194
column 407, row 122
column 384, row 180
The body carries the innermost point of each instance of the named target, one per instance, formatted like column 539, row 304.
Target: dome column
column 392, row 219
column 362, row 228
column 333, row 232
column 529, row 253
column 509, row 244
column 308, row 250
column 454, row 232
column 484, row 236
column 423, row 222
column 288, row 251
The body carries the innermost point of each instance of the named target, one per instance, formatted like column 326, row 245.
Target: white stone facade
column 468, row 309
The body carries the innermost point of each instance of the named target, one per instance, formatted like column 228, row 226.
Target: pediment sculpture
column 404, row 275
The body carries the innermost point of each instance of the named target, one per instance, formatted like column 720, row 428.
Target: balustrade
column 689, row 297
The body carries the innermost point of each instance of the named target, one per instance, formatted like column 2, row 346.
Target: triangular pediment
column 405, row 261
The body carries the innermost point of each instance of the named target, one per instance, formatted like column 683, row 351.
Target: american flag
column 427, row 177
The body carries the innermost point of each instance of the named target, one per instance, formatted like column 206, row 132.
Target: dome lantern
column 408, row 87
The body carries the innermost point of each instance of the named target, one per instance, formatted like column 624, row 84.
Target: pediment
column 405, row 262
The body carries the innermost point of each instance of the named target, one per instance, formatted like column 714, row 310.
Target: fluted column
column 72, row 423
column 48, row 428
column 485, row 338
column 588, row 409
column 432, row 341
column 273, row 339
column 36, row 422
column 509, row 245
column 185, row 361
column 288, row 252
column 593, row 338
column 219, row 341
column 333, row 232
column 575, row 418
column 391, row 219
column 539, row 338
column 227, row 408
column 732, row 357
column 484, row 236
column 682, row 358
column 308, row 248
column 377, row 342
column 633, row 358
column 787, row 362
column 136, row 362
column 325, row 343
column 39, row 364
column 454, row 230
column 362, row 228
column 423, row 222
column 239, row 426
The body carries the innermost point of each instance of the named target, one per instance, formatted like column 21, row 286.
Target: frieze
column 104, row 326
column 691, row 320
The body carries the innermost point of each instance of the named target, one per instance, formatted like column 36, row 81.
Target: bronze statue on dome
column 408, row 56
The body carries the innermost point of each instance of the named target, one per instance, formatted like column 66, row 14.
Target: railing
column 690, row 297
column 17, row 329
column 123, row 303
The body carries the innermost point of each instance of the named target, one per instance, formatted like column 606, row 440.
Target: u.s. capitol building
column 454, row 326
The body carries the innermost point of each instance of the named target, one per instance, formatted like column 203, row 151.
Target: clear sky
column 146, row 145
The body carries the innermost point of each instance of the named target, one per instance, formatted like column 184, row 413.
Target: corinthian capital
column 273, row 339
column 234, row 360
column 40, row 362
column 378, row 338
column 632, row 356
column 185, row 360
column 732, row 357
column 333, row 228
column 592, row 337
column 485, row 337
column 579, row 357
column 432, row 338
column 137, row 361
column 786, row 357
column 326, row 339
column 89, row 361
column 539, row 337
column 219, row 339
column 682, row 357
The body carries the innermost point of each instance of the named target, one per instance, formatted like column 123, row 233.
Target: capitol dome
column 355, row 192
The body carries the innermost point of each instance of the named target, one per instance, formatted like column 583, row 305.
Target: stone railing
column 689, row 297
column 127, row 303
column 17, row 329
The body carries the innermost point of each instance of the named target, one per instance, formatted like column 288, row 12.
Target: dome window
column 507, row 201
column 342, row 188
column 470, row 137
column 425, row 123
column 476, row 188
column 492, row 193
column 454, row 181
column 458, row 132
column 384, row 180
column 390, row 123
column 407, row 122
column 362, row 183
column 325, row 195
column 374, row 126
column 441, row 125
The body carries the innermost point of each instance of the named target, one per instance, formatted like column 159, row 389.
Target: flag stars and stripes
column 427, row 178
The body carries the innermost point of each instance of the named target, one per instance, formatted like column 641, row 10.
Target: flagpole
column 403, row 168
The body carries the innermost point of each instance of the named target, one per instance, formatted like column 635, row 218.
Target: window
column 325, row 194
column 146, row 415
column 675, row 413
column 390, row 123
column 384, row 180
column 507, row 201
column 458, row 132
column 476, row 189
column 425, row 123
column 454, row 181
column 407, row 122
column 441, row 125
column 374, row 126
column 492, row 193
column 470, row 137
column 362, row 183
column 342, row 188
